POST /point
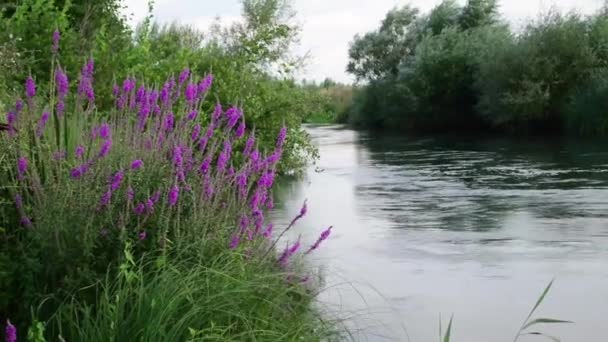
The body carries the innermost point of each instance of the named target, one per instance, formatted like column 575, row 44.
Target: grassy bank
column 136, row 211
column 464, row 69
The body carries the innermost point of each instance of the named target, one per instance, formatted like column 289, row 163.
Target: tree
column 478, row 13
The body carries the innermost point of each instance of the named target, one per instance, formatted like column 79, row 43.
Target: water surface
column 430, row 227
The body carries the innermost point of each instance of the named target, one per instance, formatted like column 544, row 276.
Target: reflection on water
column 444, row 225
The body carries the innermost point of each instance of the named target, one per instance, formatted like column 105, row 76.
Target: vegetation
column 461, row 68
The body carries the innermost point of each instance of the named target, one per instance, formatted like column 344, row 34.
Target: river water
column 438, row 226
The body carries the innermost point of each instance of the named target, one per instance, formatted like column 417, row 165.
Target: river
column 438, row 226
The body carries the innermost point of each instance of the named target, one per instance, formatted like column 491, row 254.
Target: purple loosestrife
column 79, row 171
column 105, row 199
column 281, row 137
column 165, row 94
column 193, row 114
column 183, row 76
column 22, row 165
column 190, row 93
column 142, row 235
column 268, row 232
column 105, row 148
column 249, row 144
column 169, row 122
column 242, row 183
column 62, row 84
column 288, row 253
column 274, row 157
column 104, row 131
column 59, row 155
column 205, row 85
column 240, row 131
column 79, row 152
column 234, row 242
column 173, row 195
column 196, row 132
column 136, row 164
column 117, row 180
column 140, row 96
column 11, row 332
column 130, row 194
column 56, row 38
column 217, row 113
column 208, row 187
column 140, row 209
column 18, row 106
column 26, row 222
column 18, row 201
column 233, row 114
column 205, row 165
column 324, row 235
column 224, row 156
column 270, row 203
column 30, row 87
column 42, row 124
column 85, row 86
column 267, row 179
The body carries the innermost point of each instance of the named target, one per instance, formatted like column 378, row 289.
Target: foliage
column 157, row 177
column 462, row 69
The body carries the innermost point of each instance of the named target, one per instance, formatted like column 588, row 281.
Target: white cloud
column 329, row 25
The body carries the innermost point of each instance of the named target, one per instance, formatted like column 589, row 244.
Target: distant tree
column 478, row 13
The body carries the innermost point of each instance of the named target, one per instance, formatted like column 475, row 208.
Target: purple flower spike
column 117, row 180
column 288, row 253
column 173, row 195
column 140, row 209
column 30, row 87
column 190, row 93
column 142, row 235
column 168, row 123
column 11, row 332
column 130, row 194
column 79, row 152
column 105, row 199
column 324, row 235
column 268, row 232
column 234, row 242
column 26, row 222
column 56, row 38
column 193, row 114
column 233, row 114
column 22, row 164
column 196, row 132
column 217, row 113
column 104, row 131
column 105, row 148
column 183, row 76
column 240, row 131
column 42, row 124
column 249, row 144
column 136, row 164
column 281, row 137
column 224, row 157
column 205, row 84
column 205, row 165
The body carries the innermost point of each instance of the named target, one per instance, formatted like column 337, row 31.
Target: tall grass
column 145, row 222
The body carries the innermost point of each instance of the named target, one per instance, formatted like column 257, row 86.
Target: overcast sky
column 329, row 25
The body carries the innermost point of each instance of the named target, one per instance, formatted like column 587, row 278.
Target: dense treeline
column 463, row 68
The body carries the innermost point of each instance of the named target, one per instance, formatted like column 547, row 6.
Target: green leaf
column 448, row 332
column 552, row 338
column 540, row 300
column 542, row 321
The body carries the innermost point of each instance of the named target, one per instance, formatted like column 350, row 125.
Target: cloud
column 328, row 26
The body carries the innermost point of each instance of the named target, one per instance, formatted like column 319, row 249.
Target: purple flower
column 117, row 180
column 240, row 131
column 178, row 157
column 56, row 37
column 22, row 164
column 156, row 197
column 270, row 203
column 18, row 201
column 105, row 199
column 130, row 194
column 274, row 157
column 304, row 209
column 190, row 93
column 11, row 332
column 217, row 113
column 60, row 108
column 242, row 183
column 193, row 114
column 288, row 252
column 30, row 87
column 234, row 242
column 136, row 164
column 42, row 123
column 205, row 165
column 208, row 186
column 205, row 84
column 128, row 85
column 324, row 235
column 26, row 222
column 267, row 179
column 168, row 123
column 281, row 137
column 105, row 148
column 183, row 76
column 196, row 132
column 104, row 131
column 268, row 232
column 224, row 157
column 18, row 106
column 173, row 195
column 233, row 114
column 142, row 235
column 89, row 68
column 165, row 92
column 115, row 90
column 141, row 94
column 61, row 82
column 79, row 171
column 249, row 144
column 79, row 152
column 140, row 209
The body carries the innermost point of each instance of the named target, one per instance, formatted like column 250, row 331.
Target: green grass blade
column 552, row 338
column 448, row 332
column 540, row 299
column 542, row 321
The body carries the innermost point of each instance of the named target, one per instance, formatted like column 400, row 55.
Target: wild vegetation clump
column 146, row 221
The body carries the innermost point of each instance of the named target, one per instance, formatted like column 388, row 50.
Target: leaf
column 448, row 332
column 540, row 300
column 542, row 321
column 552, row 338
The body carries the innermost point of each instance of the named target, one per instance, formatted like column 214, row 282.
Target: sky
column 328, row 26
